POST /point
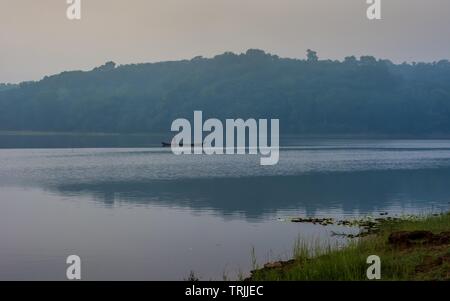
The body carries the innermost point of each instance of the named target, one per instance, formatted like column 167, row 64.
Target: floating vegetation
column 368, row 225
column 321, row 221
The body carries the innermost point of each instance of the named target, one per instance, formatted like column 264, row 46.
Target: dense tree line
column 312, row 96
column 4, row 87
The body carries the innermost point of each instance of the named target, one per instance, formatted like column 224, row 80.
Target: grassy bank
column 412, row 249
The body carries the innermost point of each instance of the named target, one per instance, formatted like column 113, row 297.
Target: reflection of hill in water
column 350, row 192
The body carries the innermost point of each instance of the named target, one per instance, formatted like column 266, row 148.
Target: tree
column 368, row 60
column 108, row 66
column 350, row 60
column 312, row 55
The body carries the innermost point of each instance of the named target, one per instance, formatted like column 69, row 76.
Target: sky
column 37, row 39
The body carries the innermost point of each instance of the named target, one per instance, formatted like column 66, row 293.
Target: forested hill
column 311, row 96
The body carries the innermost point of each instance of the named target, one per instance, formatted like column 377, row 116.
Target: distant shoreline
column 285, row 136
column 51, row 133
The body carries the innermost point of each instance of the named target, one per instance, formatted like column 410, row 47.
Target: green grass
column 349, row 263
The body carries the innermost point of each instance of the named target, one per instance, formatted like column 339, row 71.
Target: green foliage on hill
column 313, row 96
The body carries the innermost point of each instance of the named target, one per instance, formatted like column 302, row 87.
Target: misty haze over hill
column 312, row 96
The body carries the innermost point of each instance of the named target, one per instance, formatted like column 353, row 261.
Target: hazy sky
column 37, row 39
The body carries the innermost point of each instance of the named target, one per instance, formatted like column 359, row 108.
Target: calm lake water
column 146, row 214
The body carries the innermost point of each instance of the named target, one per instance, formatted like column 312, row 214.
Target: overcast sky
column 36, row 39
